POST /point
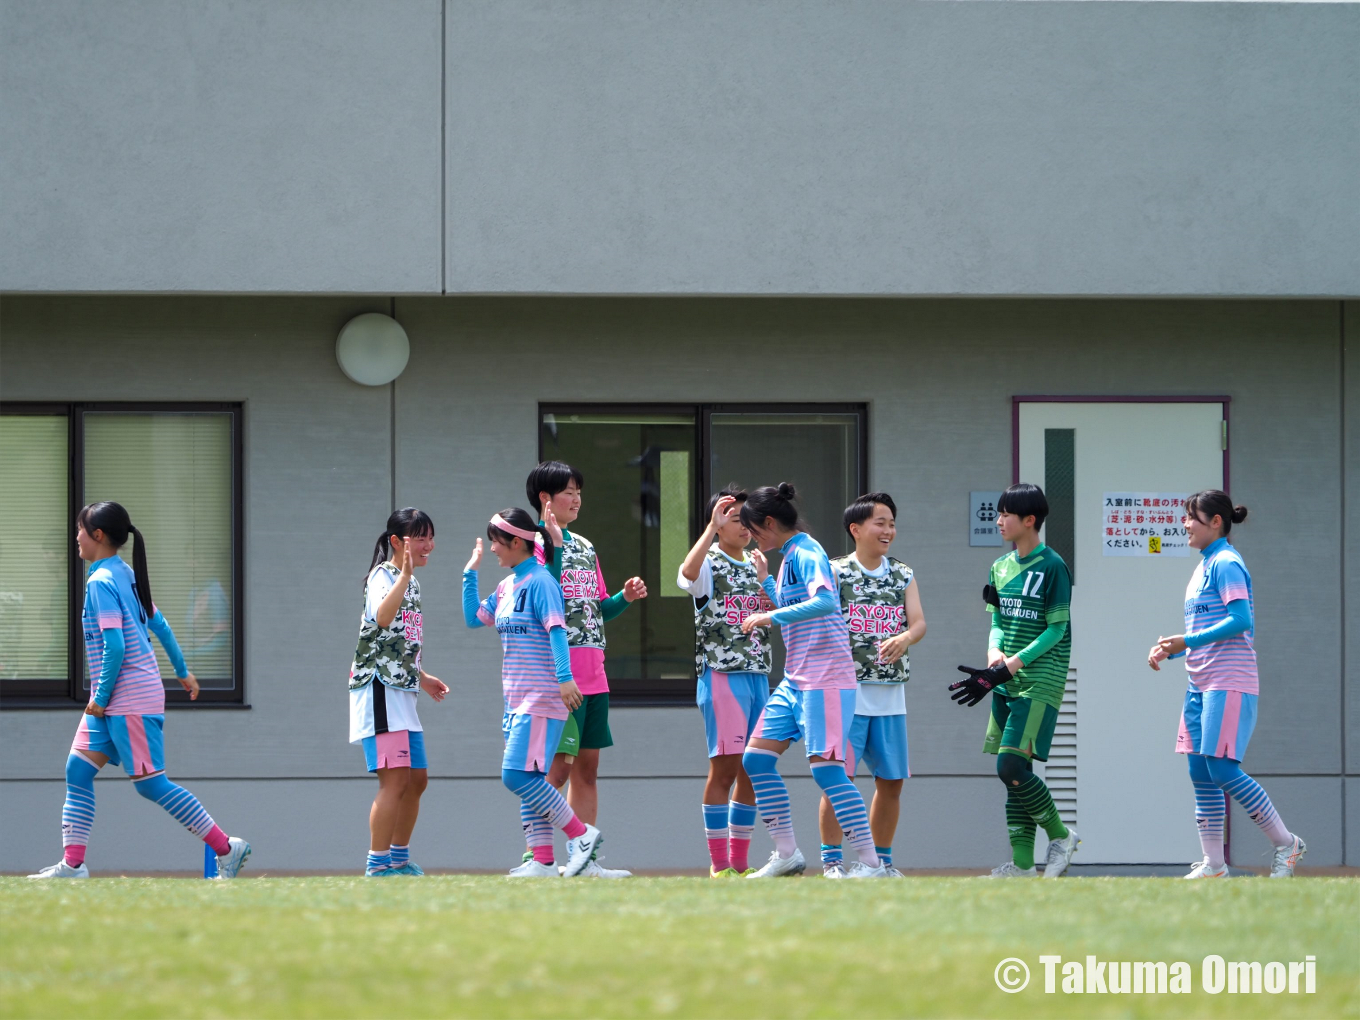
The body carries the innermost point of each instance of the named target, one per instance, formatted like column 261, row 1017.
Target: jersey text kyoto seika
column 817, row 651
column 1034, row 592
column 111, row 601
column 523, row 609
column 1228, row 665
column 720, row 644
column 873, row 609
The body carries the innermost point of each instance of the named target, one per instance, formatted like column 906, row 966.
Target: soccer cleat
column 833, row 870
column 1011, row 870
column 748, row 872
column 580, row 850
column 861, row 870
column 409, row 868
column 528, row 856
column 387, row 872
column 532, row 869
column 1287, row 857
column 777, row 867
column 890, row 872
column 229, row 864
column 1060, row 853
column 1202, row 869
column 595, row 870
column 725, row 873
column 63, row 870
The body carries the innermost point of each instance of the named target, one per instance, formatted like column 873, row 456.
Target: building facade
column 844, row 245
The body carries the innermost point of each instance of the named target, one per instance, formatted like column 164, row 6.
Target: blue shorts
column 821, row 719
column 530, row 741
column 731, row 704
column 397, row 749
column 137, row 742
column 1216, row 724
column 880, row 741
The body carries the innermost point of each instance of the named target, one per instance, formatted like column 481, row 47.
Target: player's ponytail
column 408, row 522
column 1207, row 503
column 522, row 524
column 113, row 520
column 772, row 501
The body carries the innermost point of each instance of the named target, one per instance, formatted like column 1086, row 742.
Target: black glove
column 990, row 596
column 979, row 683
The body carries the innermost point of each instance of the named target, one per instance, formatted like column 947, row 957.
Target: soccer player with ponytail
column 528, row 611
column 125, row 718
column 1220, row 704
column 815, row 701
column 385, row 682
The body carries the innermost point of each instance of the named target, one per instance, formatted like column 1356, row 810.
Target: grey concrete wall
column 938, row 377
column 713, row 147
column 814, row 147
column 225, row 145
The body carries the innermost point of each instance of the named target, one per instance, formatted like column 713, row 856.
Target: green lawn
column 486, row 946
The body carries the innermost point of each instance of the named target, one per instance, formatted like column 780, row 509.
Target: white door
column 1128, row 788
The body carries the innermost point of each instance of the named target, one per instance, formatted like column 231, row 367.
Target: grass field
column 485, row 946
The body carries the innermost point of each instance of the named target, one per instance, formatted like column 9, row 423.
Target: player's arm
column 694, row 559
column 476, row 613
column 1238, row 621
column 893, row 648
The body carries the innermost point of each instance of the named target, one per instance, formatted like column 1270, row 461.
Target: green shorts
column 1020, row 726
column 588, row 727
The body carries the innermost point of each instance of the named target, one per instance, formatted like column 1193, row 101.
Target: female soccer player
column 733, row 670
column 816, row 699
column 528, row 611
column 1220, row 703
column 384, row 683
column 881, row 605
column 125, row 718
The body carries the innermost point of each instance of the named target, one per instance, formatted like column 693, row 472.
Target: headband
column 501, row 524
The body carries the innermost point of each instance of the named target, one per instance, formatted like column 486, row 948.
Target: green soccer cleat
column 725, row 873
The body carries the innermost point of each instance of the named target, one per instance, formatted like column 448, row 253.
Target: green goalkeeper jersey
column 1035, row 592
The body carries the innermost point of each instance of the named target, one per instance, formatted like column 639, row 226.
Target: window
column 649, row 470
column 177, row 470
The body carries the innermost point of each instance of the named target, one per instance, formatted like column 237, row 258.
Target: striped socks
column 540, row 797
column 378, row 862
column 184, row 808
column 741, row 825
column 400, row 855
column 77, row 814
column 715, row 831
column 848, row 805
column 1253, row 797
column 1021, row 828
column 832, row 854
column 1034, row 797
column 1209, row 813
column 772, row 797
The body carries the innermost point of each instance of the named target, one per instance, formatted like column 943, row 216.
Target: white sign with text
column 1143, row 524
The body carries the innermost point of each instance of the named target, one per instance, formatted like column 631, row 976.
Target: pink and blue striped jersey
column 1227, row 665
column 817, row 651
column 111, row 601
column 523, row 608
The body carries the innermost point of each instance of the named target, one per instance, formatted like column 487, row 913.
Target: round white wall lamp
column 372, row 349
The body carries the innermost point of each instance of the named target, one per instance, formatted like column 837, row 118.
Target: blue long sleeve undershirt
column 160, row 626
column 115, row 650
column 472, row 599
column 557, row 636
column 824, row 603
column 1238, row 621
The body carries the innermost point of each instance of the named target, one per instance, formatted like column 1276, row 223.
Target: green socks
column 1021, row 828
column 1034, row 797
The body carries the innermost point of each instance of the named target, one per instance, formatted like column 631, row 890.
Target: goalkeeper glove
column 990, row 596
column 979, row 683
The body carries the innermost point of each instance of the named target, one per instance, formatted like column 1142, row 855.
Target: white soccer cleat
column 532, row 869
column 890, row 872
column 861, row 870
column 1287, row 857
column 1202, row 869
column 1060, row 853
column 1011, row 870
column 833, row 870
column 777, row 867
column 595, row 870
column 229, row 864
column 63, row 870
column 580, row 849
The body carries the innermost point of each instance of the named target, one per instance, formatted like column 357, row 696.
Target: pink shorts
column 399, row 749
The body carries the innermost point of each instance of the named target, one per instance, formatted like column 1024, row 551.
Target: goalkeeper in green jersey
column 1029, row 597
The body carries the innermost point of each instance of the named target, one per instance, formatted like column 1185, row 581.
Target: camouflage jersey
column 584, row 590
column 390, row 654
column 719, row 643
column 873, row 610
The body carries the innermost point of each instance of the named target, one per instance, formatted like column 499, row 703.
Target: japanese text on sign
column 1143, row 524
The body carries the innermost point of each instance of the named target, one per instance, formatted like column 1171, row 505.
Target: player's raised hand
column 762, row 565
column 550, row 522
column 406, row 558
column 476, row 559
column 724, row 511
column 634, row 588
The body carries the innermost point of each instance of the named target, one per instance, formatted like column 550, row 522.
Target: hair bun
column 787, row 491
column 1239, row 514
